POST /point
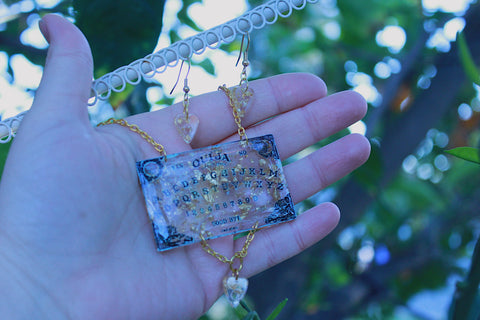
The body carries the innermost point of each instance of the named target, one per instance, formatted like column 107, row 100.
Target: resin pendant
column 235, row 289
column 243, row 96
column 215, row 191
column 187, row 127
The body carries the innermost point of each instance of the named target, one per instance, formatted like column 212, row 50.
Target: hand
column 75, row 238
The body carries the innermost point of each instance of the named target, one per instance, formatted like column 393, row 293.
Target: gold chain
column 243, row 85
column 243, row 75
column 186, row 101
column 136, row 129
column 240, row 255
column 238, row 119
column 232, row 99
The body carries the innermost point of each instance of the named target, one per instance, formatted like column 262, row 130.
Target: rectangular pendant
column 217, row 190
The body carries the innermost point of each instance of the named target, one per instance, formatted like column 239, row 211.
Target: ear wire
column 245, row 53
column 185, row 81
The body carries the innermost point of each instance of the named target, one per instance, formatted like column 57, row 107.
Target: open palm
column 76, row 241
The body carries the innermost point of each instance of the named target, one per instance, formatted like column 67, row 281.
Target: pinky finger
column 274, row 245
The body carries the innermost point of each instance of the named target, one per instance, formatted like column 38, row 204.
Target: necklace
column 230, row 188
column 234, row 287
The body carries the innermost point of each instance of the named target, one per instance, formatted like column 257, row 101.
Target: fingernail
column 44, row 29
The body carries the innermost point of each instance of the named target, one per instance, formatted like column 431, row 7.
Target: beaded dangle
column 186, row 122
column 241, row 96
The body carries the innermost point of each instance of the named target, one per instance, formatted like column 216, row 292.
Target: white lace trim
column 159, row 61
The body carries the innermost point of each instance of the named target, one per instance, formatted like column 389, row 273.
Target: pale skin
column 75, row 239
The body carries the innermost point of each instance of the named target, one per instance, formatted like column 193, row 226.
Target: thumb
column 65, row 86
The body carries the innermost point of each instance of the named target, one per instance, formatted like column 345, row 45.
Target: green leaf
column 467, row 60
column 252, row 315
column 174, row 37
column 207, row 65
column 466, row 153
column 277, row 310
column 4, row 148
column 116, row 98
column 245, row 306
column 183, row 16
column 165, row 101
column 240, row 235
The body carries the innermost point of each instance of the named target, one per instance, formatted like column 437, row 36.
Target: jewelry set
column 230, row 188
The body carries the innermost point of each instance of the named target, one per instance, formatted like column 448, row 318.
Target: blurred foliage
column 122, row 32
column 467, row 59
column 417, row 229
column 422, row 223
column 466, row 299
column 17, row 21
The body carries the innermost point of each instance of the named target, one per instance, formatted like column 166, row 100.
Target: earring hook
column 179, row 73
column 245, row 53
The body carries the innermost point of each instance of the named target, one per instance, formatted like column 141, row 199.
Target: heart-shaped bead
column 242, row 97
column 235, row 289
column 187, row 128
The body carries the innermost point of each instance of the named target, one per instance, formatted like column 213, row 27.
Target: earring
column 241, row 96
column 185, row 122
column 243, row 93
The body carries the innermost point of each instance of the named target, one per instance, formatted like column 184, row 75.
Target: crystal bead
column 187, row 128
column 243, row 98
column 235, row 289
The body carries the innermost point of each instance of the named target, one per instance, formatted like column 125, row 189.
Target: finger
column 303, row 127
column 318, row 170
column 276, row 244
column 272, row 96
column 65, row 86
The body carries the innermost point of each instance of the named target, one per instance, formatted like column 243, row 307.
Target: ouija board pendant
column 215, row 191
